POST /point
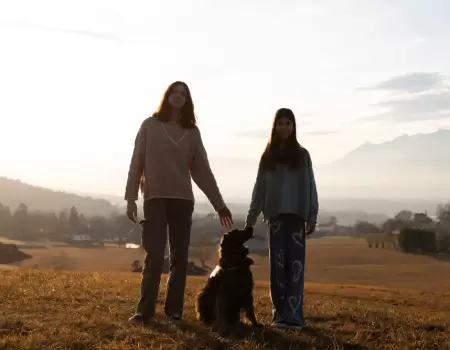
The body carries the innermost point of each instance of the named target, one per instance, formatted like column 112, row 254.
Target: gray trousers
column 160, row 214
column 287, row 243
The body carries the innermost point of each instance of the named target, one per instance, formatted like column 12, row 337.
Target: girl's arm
column 137, row 163
column 203, row 176
column 257, row 201
column 314, row 201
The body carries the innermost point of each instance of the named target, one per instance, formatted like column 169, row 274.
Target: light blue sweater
column 283, row 191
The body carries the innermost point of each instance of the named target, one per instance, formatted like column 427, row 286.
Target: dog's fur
column 230, row 287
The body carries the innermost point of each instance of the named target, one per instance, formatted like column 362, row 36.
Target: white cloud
column 411, row 82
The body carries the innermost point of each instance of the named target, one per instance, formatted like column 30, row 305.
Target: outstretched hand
column 226, row 219
column 132, row 211
column 310, row 227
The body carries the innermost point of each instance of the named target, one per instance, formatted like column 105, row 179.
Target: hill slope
column 89, row 310
column 14, row 192
column 415, row 166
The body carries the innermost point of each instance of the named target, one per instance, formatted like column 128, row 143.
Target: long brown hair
column 164, row 111
column 188, row 119
column 292, row 153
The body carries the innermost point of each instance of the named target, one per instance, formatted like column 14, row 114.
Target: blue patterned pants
column 287, row 243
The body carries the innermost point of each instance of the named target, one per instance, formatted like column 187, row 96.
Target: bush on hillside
column 443, row 243
column 365, row 228
column 382, row 241
column 415, row 240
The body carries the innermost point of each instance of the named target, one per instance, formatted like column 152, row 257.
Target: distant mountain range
column 371, row 182
column 14, row 192
column 408, row 167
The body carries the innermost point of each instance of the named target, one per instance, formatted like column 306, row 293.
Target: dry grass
column 88, row 310
column 357, row 298
column 83, row 259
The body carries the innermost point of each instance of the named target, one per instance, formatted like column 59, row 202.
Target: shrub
column 413, row 240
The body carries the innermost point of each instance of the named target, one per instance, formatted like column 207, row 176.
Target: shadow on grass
column 264, row 337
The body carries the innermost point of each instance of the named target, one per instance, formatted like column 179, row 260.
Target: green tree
column 21, row 225
column 416, row 240
column 391, row 225
column 364, row 228
column 83, row 222
column 52, row 224
column 443, row 212
column 74, row 220
column 62, row 224
column 404, row 215
column 98, row 227
column 5, row 221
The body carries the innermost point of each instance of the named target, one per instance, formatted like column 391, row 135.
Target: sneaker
column 294, row 326
column 284, row 325
column 139, row 320
column 279, row 324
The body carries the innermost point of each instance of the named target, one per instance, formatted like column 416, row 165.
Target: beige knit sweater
column 167, row 161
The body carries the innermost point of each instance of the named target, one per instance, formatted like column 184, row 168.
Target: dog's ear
column 224, row 240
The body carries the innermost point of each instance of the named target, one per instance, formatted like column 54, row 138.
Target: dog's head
column 235, row 239
column 232, row 248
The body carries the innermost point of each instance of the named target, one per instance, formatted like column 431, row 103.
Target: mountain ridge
column 37, row 198
column 406, row 167
column 381, row 178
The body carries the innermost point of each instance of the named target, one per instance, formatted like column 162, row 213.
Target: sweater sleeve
column 136, row 169
column 314, row 201
column 203, row 176
column 257, row 201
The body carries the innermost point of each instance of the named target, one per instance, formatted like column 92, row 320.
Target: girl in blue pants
column 285, row 192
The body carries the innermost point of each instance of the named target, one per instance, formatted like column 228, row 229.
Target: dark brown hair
column 292, row 152
column 164, row 111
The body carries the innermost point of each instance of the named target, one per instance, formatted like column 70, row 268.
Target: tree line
column 23, row 224
column 411, row 232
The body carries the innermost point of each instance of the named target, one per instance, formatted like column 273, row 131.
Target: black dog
column 230, row 286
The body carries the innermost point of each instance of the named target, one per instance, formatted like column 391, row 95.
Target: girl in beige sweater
column 168, row 152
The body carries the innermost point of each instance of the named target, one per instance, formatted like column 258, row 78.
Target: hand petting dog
column 226, row 219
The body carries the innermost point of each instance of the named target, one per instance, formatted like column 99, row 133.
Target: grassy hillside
column 85, row 310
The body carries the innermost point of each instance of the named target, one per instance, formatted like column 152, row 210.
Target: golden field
column 356, row 298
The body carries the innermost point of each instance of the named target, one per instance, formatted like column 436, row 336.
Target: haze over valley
column 408, row 172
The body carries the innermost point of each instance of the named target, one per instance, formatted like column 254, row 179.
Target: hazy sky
column 78, row 77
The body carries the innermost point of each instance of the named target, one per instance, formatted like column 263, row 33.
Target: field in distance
column 329, row 260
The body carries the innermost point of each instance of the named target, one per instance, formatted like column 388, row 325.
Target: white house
column 80, row 237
